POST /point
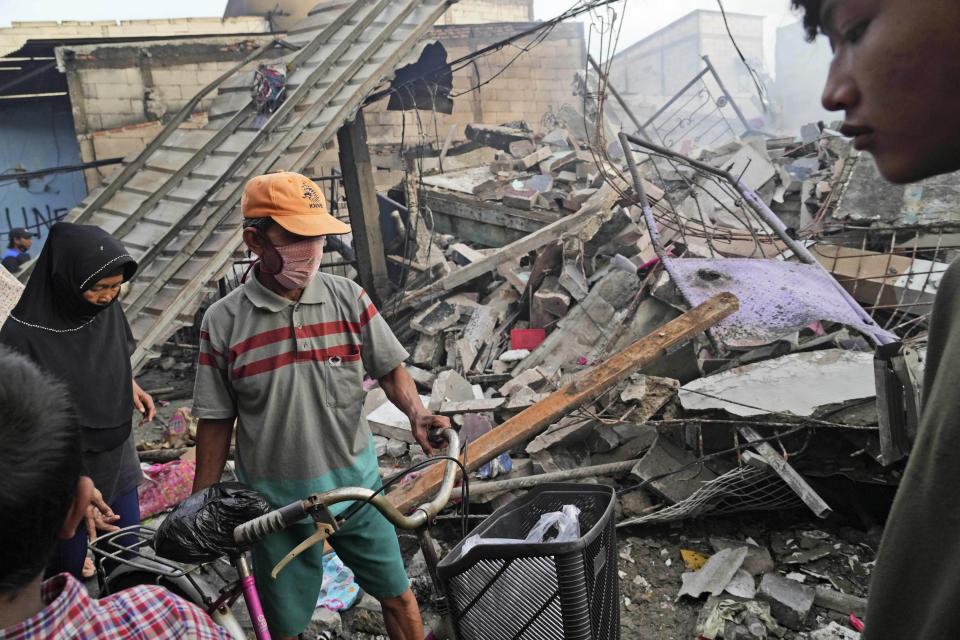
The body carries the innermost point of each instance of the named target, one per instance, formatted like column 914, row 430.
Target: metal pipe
column 676, row 97
column 733, row 104
column 617, row 97
column 496, row 486
column 422, row 514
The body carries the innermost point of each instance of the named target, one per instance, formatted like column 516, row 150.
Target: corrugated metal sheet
column 175, row 206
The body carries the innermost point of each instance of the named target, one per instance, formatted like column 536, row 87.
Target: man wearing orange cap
column 284, row 355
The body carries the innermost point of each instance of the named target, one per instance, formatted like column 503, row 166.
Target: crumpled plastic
column 201, row 528
column 735, row 611
column 565, row 522
column 339, row 589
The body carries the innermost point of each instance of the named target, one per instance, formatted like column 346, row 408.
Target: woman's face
column 104, row 291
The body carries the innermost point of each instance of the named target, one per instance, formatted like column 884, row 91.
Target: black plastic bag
column 200, row 528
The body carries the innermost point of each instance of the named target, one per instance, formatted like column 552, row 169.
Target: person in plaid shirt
column 43, row 497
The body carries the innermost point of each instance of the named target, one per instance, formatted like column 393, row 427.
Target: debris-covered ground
column 751, row 456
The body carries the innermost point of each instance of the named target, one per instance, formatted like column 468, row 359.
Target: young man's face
column 896, row 74
column 23, row 244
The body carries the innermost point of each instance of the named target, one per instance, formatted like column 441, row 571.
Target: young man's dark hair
column 43, row 497
column 811, row 16
column 40, row 468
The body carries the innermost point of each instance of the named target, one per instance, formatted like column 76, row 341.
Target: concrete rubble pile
column 499, row 324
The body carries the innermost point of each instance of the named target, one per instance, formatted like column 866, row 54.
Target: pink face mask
column 300, row 262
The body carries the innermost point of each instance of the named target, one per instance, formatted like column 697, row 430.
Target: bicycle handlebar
column 252, row 532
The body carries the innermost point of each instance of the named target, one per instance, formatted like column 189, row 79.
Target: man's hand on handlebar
column 422, row 423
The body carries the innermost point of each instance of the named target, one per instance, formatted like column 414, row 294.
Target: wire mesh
column 741, row 489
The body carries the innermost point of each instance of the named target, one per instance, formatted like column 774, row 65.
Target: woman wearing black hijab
column 69, row 322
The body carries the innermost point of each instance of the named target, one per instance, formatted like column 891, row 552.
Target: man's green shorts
column 367, row 544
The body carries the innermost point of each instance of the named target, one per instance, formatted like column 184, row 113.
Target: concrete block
column 100, row 76
column 790, row 601
column 380, row 445
column 758, row 560
column 126, row 91
column 436, row 318
column 113, row 120
column 366, row 616
column 324, row 623
column 422, row 377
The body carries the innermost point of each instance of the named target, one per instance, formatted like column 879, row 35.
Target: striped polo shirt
column 292, row 374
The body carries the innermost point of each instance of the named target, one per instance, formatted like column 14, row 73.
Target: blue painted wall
column 37, row 134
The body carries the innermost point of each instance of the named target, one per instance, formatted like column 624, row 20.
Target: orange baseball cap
column 293, row 201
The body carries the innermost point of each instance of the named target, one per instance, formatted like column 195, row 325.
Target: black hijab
column 88, row 346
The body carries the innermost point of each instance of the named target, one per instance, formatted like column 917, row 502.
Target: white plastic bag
column 565, row 522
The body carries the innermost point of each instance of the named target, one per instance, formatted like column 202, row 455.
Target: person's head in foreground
column 285, row 224
column 42, row 495
column 896, row 75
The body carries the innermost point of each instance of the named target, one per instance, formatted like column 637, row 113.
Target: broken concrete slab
column 439, row 316
column 550, row 301
column 602, row 440
column 396, row 448
column 528, row 378
column 390, row 422
column 664, row 457
column 572, row 279
column 742, row 585
column 758, row 560
column 422, row 377
column 519, row 198
column 536, row 157
column 494, row 136
column 470, row 406
column 477, row 333
column 834, row 631
column 463, row 255
column 584, row 331
column 569, row 429
column 521, row 148
column 797, row 383
column 524, row 397
column 450, row 386
column 840, row 602
column 630, row 449
column 790, row 601
column 714, row 576
column 380, row 445
column 649, row 393
column 429, row 350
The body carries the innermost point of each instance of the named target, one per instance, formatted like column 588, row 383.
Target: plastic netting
column 741, row 489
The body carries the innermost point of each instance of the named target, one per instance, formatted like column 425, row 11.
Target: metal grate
column 738, row 490
column 539, row 591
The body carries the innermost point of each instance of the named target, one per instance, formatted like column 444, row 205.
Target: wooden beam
column 361, row 194
column 585, row 389
column 793, row 479
column 488, row 223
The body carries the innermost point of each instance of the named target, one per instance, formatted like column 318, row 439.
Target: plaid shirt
column 141, row 612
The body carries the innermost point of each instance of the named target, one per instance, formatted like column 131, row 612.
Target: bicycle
column 136, row 563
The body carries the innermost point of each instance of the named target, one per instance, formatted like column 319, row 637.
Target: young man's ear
column 78, row 509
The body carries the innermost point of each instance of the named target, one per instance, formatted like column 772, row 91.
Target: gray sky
column 640, row 17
